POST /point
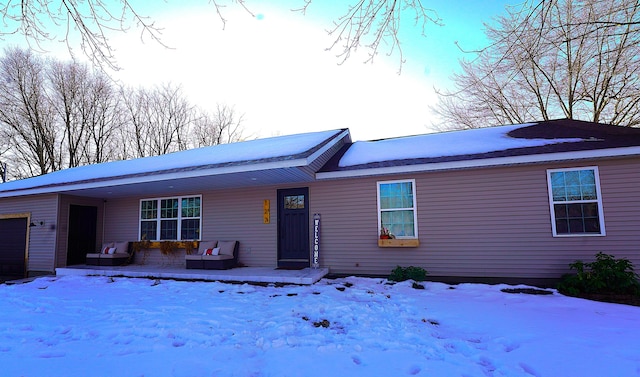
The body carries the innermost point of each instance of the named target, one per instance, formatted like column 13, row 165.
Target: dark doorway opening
column 82, row 233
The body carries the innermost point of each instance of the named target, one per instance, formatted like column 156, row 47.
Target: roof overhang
column 191, row 180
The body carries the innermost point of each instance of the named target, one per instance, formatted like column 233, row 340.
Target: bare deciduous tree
column 88, row 110
column 552, row 59
column 159, row 120
column 26, row 113
column 55, row 115
column 221, row 127
column 106, row 118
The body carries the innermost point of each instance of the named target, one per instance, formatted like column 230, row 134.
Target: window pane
column 191, row 207
column 148, row 230
column 190, row 229
column 587, row 177
column 589, row 192
column 149, row 209
column 169, row 208
column 557, row 179
column 399, row 223
column 562, row 226
column 576, row 226
column 577, row 218
column 294, row 202
column 169, row 229
column 559, row 193
column 572, row 178
column 573, row 193
column 396, row 195
column 591, row 225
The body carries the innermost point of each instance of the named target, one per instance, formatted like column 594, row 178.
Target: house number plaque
column 266, row 207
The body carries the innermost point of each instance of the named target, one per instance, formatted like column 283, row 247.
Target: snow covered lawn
column 98, row 326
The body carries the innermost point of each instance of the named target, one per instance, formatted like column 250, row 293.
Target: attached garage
column 13, row 248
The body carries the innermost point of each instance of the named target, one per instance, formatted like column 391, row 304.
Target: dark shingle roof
column 554, row 136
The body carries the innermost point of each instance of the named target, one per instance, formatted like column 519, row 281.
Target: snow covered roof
column 275, row 154
column 502, row 145
column 298, row 158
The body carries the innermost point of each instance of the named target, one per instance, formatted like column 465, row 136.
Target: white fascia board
column 63, row 187
column 499, row 161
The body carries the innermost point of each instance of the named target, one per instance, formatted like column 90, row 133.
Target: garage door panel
column 13, row 239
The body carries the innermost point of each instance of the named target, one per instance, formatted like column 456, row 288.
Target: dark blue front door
column 293, row 228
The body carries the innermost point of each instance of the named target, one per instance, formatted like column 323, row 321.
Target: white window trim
column 415, row 206
column 599, row 201
column 179, row 218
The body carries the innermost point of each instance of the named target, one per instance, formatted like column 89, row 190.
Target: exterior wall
column 226, row 215
column 63, row 224
column 479, row 223
column 42, row 239
column 492, row 222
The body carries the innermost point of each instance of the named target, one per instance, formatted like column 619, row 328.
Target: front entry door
column 82, row 233
column 293, row 228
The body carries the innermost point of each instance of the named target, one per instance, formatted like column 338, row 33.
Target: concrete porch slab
column 305, row 276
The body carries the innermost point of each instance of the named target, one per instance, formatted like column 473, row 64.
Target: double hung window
column 575, row 202
column 397, row 208
column 170, row 218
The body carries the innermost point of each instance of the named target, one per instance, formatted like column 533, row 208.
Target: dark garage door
column 13, row 233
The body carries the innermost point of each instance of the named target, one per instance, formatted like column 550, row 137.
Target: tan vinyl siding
column 226, row 215
column 42, row 239
column 492, row 222
column 240, row 217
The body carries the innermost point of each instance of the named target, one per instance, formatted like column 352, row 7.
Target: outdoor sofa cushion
column 226, row 258
column 204, row 245
column 226, row 247
column 110, row 254
column 217, row 257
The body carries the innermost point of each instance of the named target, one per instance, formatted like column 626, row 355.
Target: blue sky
column 275, row 69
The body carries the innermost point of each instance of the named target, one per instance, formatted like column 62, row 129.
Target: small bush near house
column 408, row 273
column 606, row 275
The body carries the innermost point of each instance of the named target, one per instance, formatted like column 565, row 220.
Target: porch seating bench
column 214, row 255
column 111, row 254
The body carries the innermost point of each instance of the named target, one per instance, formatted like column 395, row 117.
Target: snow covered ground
column 98, row 326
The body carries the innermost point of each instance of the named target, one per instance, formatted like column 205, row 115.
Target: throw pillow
column 214, row 251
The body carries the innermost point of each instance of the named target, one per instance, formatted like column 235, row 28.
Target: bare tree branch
column 88, row 20
column 552, row 59
column 370, row 23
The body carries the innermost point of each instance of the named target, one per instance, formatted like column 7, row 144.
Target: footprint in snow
column 528, row 369
column 414, row 369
